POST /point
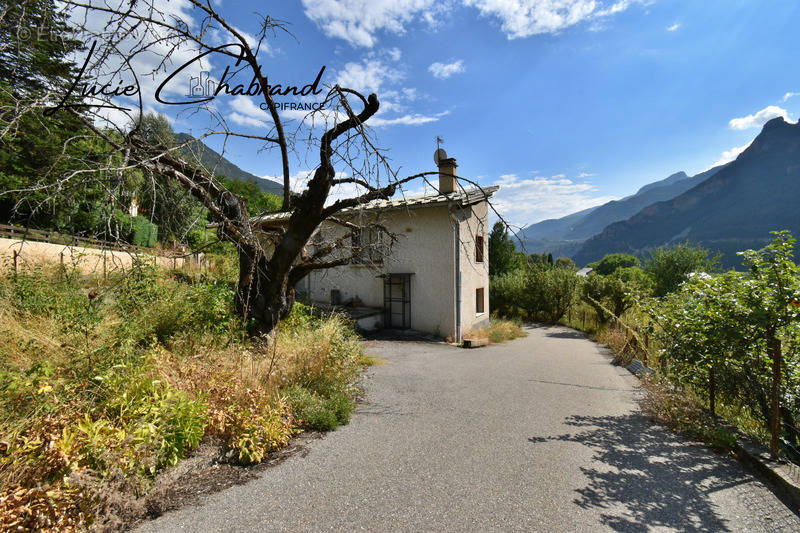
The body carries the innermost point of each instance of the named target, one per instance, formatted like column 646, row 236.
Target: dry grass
column 499, row 330
column 102, row 385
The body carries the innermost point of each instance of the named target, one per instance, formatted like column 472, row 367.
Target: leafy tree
column 258, row 201
column 502, row 252
column 35, row 47
column 611, row 262
column 35, row 43
column 566, row 263
column 736, row 336
column 538, row 259
column 773, row 294
column 707, row 339
column 540, row 294
column 670, row 266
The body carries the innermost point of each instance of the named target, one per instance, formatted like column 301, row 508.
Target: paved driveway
column 539, row 434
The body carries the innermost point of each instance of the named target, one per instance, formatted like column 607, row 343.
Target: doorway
column 397, row 301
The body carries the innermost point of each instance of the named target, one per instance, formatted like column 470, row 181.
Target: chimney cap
column 448, row 161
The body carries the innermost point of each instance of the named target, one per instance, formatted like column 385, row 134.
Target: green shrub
column 670, row 266
column 315, row 411
column 542, row 294
column 611, row 262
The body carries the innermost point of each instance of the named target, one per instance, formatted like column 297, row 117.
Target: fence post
column 16, row 268
column 583, row 318
column 62, row 264
column 105, row 275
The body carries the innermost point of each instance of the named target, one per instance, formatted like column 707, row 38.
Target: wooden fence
column 175, row 258
column 53, row 237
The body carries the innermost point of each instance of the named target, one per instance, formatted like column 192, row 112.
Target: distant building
column 585, row 271
column 434, row 279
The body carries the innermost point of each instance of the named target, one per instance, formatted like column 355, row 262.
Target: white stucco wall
column 426, row 248
column 474, row 275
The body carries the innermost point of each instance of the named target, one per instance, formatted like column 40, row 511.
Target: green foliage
column 566, row 263
column 40, row 61
column 258, row 202
column 138, row 231
column 616, row 293
column 503, row 255
column 319, row 412
column 611, row 262
column 671, row 266
column 720, row 332
column 151, row 412
column 535, row 293
column 110, row 382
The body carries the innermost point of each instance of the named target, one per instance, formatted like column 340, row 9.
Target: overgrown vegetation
column 722, row 344
column 103, row 384
column 499, row 330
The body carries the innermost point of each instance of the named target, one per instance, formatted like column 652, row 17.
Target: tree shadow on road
column 648, row 477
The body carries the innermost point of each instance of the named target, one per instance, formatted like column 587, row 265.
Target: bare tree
column 120, row 36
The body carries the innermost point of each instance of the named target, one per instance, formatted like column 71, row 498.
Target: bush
column 542, row 294
column 499, row 330
column 103, row 384
column 138, row 230
column 315, row 411
column 670, row 266
column 611, row 262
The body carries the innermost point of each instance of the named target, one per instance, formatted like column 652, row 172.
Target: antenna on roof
column 439, row 154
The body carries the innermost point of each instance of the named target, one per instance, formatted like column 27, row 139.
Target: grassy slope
column 103, row 384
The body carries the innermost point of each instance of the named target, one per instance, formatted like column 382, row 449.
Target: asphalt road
column 539, row 434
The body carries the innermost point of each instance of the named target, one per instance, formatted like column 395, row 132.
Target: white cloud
column 523, row 18
column 523, row 201
column 758, row 119
column 394, row 53
column 445, row 70
column 407, row 120
column 586, row 175
column 730, row 155
column 368, row 76
column 246, row 112
column 674, row 27
column 789, row 95
column 358, row 21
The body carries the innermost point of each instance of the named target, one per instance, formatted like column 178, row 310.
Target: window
column 479, row 248
column 368, row 246
column 479, row 300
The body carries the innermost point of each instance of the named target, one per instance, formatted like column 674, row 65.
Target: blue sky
column 565, row 103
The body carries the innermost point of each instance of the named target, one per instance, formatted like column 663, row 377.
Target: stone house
column 434, row 277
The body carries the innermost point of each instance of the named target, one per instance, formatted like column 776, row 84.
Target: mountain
column 732, row 210
column 565, row 236
column 222, row 167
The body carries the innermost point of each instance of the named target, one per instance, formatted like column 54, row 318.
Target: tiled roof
column 461, row 198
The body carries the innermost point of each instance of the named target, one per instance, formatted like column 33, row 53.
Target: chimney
column 447, row 175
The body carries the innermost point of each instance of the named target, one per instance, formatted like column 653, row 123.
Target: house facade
column 434, row 275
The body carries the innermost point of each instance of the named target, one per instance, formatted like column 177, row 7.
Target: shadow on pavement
column 403, row 335
column 650, row 478
column 566, row 335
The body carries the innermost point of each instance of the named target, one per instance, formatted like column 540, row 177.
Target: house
column 433, row 277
